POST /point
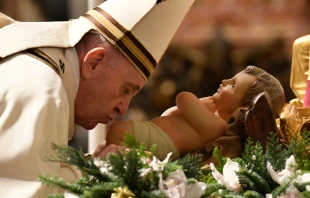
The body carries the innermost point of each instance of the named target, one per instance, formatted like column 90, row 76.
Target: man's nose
column 122, row 107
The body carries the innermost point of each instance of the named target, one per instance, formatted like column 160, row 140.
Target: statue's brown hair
column 268, row 83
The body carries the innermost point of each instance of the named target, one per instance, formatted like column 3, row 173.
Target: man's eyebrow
column 135, row 87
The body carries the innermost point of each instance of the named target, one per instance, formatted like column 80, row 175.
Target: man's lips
column 106, row 120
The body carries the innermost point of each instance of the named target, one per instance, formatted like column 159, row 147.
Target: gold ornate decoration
column 294, row 119
column 123, row 193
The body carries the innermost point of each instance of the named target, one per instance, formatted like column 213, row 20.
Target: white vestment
column 36, row 105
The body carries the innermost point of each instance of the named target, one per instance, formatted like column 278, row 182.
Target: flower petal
column 274, row 175
column 217, row 175
column 230, row 175
column 195, row 190
column 70, row 195
column 305, row 178
column 291, row 163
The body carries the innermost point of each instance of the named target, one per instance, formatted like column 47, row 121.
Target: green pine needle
column 220, row 159
column 259, row 182
column 252, row 194
column 246, row 182
column 285, row 184
column 75, row 157
column 58, row 182
column 191, row 165
column 56, row 196
column 274, row 152
column 101, row 190
column 305, row 194
column 130, row 141
column 227, row 194
column 126, row 166
column 254, row 157
column 212, row 188
column 301, row 186
column 299, row 147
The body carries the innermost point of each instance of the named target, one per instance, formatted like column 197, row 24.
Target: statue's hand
column 102, row 150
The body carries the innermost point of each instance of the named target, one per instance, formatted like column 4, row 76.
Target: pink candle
column 307, row 94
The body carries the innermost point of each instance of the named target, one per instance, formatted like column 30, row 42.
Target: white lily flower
column 144, row 171
column 158, row 165
column 98, row 162
column 103, row 166
column 175, row 186
column 304, row 178
column 290, row 167
column 291, row 163
column 145, row 160
column 291, row 192
column 268, row 195
column 229, row 177
column 70, row 195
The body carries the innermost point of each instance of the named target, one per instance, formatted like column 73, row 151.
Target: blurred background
column 217, row 39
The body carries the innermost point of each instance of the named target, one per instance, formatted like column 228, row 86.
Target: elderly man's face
column 108, row 91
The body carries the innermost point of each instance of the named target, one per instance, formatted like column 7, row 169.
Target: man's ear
column 91, row 60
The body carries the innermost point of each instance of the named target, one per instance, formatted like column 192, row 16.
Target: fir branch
column 227, row 194
column 153, row 148
column 86, row 181
column 305, row 194
column 55, row 181
column 246, row 182
column 284, row 185
column 259, row 182
column 299, row 147
column 220, row 159
column 130, row 141
column 140, row 147
column 211, row 188
column 191, row 165
column 171, row 167
column 56, row 196
column 254, row 158
column 101, row 190
column 208, row 178
column 252, row 194
column 126, row 166
column 301, row 186
column 152, row 194
column 75, row 157
column 274, row 152
column 240, row 161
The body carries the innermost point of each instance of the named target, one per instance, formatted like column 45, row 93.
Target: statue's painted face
column 232, row 91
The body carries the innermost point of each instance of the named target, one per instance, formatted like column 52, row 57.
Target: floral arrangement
column 279, row 170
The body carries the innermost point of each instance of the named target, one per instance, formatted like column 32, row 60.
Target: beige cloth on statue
column 151, row 134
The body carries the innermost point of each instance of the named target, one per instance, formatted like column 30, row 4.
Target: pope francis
column 84, row 71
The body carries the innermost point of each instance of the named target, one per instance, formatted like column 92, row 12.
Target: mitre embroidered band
column 124, row 40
